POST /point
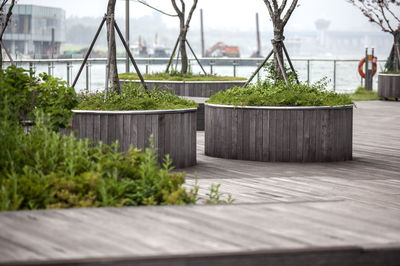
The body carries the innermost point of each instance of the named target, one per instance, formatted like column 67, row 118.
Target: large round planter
column 174, row 131
column 279, row 134
column 191, row 88
column 389, row 86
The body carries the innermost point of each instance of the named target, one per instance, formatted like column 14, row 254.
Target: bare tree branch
column 391, row 12
column 189, row 18
column 282, row 7
column 8, row 16
column 156, row 9
column 271, row 12
column 385, row 18
column 177, row 10
column 289, row 12
column 375, row 11
column 382, row 13
column 275, row 5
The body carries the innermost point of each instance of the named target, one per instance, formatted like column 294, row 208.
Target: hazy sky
column 234, row 14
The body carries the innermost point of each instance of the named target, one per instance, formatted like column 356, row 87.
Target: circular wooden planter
column 389, row 86
column 191, row 88
column 174, row 131
column 279, row 134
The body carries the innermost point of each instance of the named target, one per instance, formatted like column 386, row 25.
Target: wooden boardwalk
column 344, row 213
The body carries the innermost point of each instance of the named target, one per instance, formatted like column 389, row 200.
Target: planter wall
column 279, row 134
column 192, row 88
column 174, row 131
column 389, row 86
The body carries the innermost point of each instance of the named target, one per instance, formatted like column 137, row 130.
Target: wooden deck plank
column 342, row 213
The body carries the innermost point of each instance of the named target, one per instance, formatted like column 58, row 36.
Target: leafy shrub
column 134, row 97
column 273, row 91
column 25, row 93
column 63, row 172
column 178, row 76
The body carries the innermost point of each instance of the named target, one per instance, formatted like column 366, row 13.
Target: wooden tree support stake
column 281, row 66
column 258, row 69
column 130, row 55
column 89, row 51
column 198, row 61
column 290, row 62
column 172, row 55
column 7, row 52
column 123, row 42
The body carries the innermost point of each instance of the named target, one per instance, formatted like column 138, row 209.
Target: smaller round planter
column 191, row 88
column 279, row 134
column 389, row 86
column 174, row 131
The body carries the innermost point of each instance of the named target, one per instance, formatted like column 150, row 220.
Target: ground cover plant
column 134, row 97
column 364, row 95
column 177, row 76
column 273, row 91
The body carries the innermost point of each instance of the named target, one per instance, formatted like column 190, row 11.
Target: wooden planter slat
column 308, row 134
column 174, row 131
column 389, row 85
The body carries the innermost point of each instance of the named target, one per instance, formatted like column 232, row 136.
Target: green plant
column 45, row 170
column 363, row 95
column 25, row 93
column 273, row 91
column 63, row 172
column 214, row 196
column 134, row 97
column 56, row 98
column 177, row 76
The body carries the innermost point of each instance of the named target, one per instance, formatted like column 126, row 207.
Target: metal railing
column 212, row 63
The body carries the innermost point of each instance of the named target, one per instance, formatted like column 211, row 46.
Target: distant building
column 220, row 49
column 37, row 31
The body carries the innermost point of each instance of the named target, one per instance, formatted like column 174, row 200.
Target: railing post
column 68, row 72
column 147, row 66
column 49, row 69
column 258, row 73
column 87, row 78
column 334, row 75
column 30, row 69
column 308, row 71
column 234, row 68
column 212, row 67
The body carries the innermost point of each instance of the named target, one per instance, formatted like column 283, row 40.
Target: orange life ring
column 374, row 67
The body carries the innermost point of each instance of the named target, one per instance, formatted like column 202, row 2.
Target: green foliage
column 274, row 92
column 178, row 76
column 25, row 93
column 134, row 97
column 363, row 95
column 63, row 172
column 46, row 170
column 56, row 98
column 214, row 196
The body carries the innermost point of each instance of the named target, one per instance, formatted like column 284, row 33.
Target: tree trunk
column 396, row 53
column 278, row 35
column 184, row 57
column 1, row 56
column 112, row 64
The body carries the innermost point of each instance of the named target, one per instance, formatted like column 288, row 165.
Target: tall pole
column 258, row 37
column 127, row 37
column 52, row 42
column 202, row 33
